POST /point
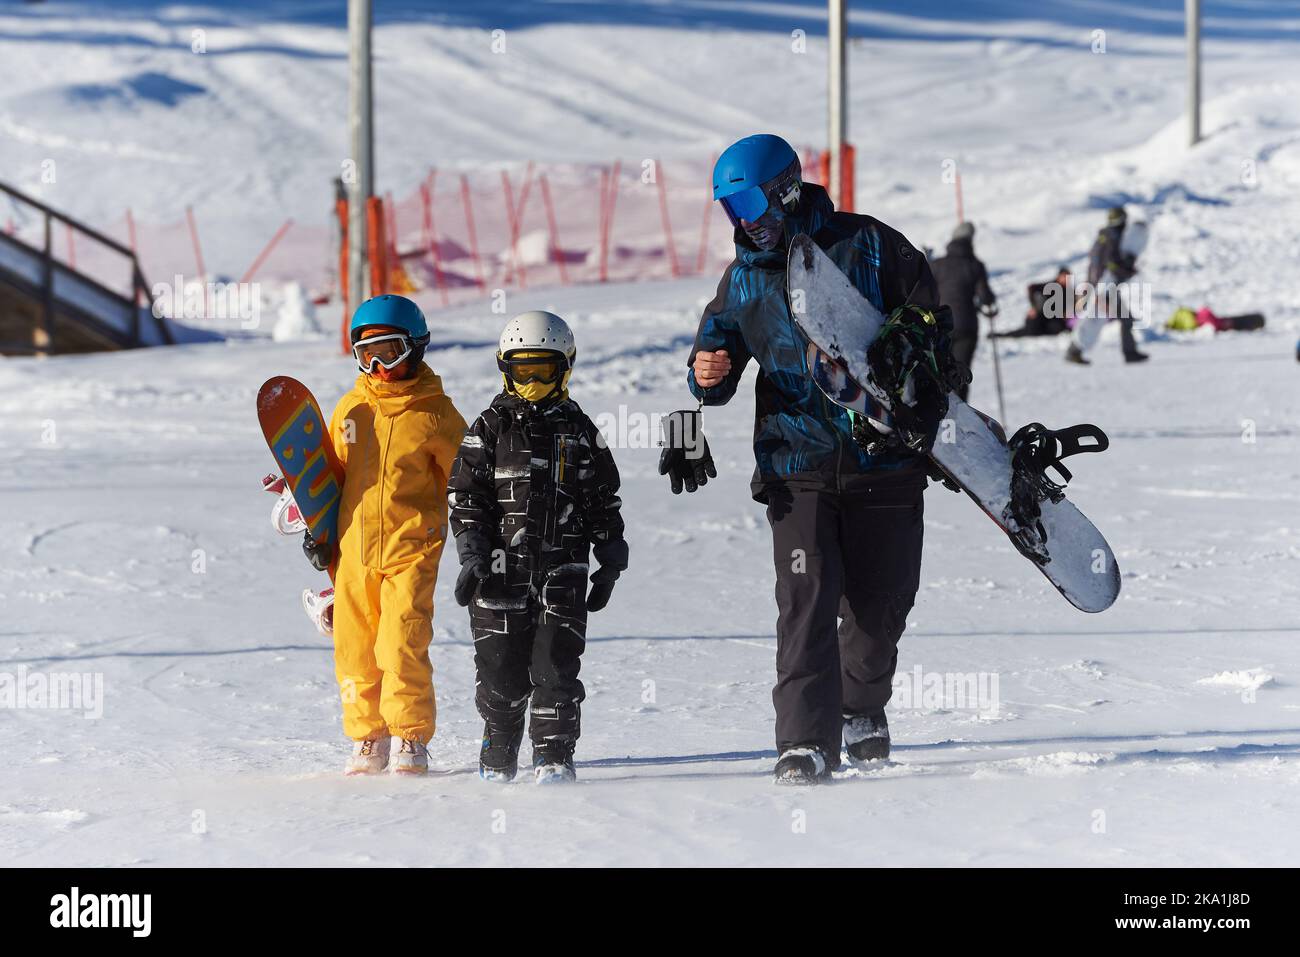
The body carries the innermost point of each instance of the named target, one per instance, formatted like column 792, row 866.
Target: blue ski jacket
column 801, row 438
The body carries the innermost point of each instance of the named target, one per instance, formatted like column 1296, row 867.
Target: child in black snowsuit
column 533, row 491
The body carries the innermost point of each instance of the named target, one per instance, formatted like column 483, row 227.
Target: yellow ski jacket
column 396, row 442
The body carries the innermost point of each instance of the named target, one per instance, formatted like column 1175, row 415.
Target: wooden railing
column 133, row 292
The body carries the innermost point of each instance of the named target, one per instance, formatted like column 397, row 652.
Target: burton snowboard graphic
column 299, row 440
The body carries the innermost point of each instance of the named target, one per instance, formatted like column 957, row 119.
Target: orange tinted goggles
column 531, row 369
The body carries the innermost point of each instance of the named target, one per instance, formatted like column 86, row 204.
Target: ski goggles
column 389, row 351
column 781, row 192
column 524, row 368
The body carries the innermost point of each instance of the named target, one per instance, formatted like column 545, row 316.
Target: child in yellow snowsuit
column 396, row 434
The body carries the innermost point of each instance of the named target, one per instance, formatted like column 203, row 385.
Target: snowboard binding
column 1035, row 449
column 286, row 517
column 319, row 606
column 911, row 362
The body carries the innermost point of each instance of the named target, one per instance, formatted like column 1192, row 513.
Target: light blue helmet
column 396, row 311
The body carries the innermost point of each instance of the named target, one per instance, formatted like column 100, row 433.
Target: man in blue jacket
column 846, row 525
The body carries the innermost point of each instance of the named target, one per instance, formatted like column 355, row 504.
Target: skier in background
column 1051, row 307
column 396, row 435
column 964, row 288
column 846, row 525
column 534, row 495
column 1109, row 263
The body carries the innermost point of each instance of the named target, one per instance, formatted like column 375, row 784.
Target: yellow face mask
column 535, row 390
column 532, row 391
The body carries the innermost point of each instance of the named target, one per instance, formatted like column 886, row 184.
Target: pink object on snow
column 1204, row 317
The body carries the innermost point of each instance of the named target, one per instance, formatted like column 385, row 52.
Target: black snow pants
column 1127, row 343
column 848, row 567
column 528, row 644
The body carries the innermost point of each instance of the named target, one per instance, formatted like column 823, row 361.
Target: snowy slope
column 252, row 131
column 134, row 541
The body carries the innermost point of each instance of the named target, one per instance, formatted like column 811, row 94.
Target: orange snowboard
column 299, row 440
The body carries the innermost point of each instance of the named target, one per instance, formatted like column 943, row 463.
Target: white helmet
column 538, row 331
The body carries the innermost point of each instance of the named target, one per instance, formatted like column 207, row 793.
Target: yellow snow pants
column 383, row 623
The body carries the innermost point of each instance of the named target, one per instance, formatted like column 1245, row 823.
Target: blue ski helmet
column 745, row 167
column 396, row 311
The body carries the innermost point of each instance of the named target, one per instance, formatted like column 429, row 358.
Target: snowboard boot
column 369, row 756
column 866, row 738
column 801, row 767
column 553, row 761
column 498, row 759
column 1073, row 354
column 412, row 758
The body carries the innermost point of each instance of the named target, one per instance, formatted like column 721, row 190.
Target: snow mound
column 1055, row 764
column 61, row 819
column 296, row 317
column 1086, row 666
column 532, row 249
column 1249, row 679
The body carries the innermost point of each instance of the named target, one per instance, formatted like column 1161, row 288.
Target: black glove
column 602, row 586
column 871, row 440
column 686, row 459
column 475, row 571
column 320, row 554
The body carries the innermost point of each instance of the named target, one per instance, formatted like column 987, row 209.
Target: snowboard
column 971, row 449
column 1132, row 242
column 299, row 441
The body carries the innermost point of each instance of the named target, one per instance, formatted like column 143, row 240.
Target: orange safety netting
column 462, row 233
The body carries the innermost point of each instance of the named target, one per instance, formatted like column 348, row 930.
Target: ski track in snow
column 135, row 542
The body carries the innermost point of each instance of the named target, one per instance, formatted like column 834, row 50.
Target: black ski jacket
column 539, row 482
column 1050, row 309
column 963, row 286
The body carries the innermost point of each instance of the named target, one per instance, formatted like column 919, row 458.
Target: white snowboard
column 971, row 448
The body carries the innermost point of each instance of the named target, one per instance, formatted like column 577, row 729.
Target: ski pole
column 997, row 373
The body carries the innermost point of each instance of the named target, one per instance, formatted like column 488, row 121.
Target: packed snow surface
column 135, row 546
